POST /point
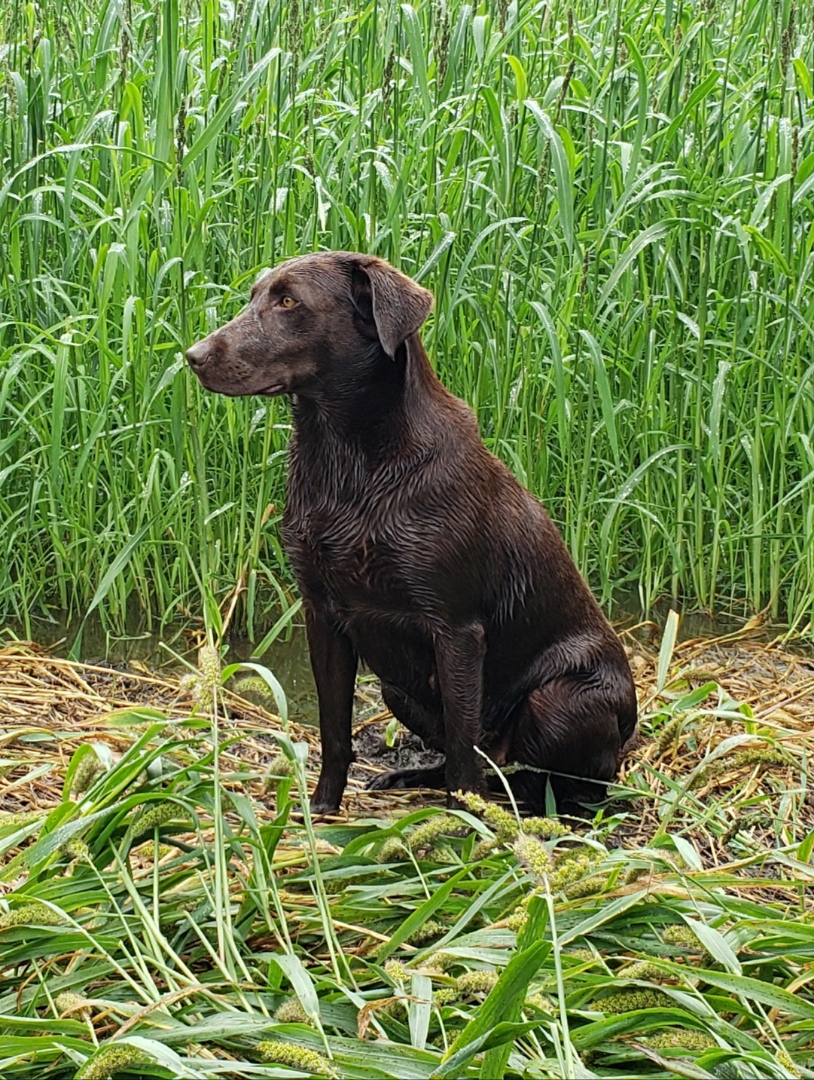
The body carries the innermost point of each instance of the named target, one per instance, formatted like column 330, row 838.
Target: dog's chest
column 345, row 556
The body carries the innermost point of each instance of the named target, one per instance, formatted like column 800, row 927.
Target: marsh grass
column 168, row 910
column 611, row 204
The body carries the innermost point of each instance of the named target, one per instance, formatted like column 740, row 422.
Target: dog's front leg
column 459, row 654
column 333, row 661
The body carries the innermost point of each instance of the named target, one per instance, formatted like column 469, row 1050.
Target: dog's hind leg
column 572, row 735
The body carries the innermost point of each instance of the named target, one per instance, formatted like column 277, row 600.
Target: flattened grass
column 142, row 927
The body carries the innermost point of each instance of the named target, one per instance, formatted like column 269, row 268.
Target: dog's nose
column 198, row 354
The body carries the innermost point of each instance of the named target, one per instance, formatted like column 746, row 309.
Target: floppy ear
column 392, row 301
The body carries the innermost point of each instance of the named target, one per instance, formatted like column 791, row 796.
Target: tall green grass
column 612, row 204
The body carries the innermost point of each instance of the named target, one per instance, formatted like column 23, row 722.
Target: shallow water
column 288, row 658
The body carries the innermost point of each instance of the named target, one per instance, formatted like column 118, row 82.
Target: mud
column 373, row 755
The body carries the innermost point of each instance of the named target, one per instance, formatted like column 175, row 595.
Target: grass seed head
column 292, row 1012
column 393, row 850
column 32, row 915
column 682, row 1039
column 88, row 769
column 438, row 963
column 445, row 995
column 296, row 1057
column 396, row 971
column 634, row 1001
column 111, row 1060
column 782, row 1057
column 589, row 886
column 426, row 932
column 69, row 1002
column 430, row 833
column 533, row 854
column 483, row 849
column 209, row 666
column 504, row 824
column 473, row 983
column 681, row 935
column 643, row 970
column 518, row 918
column 154, row 816
column 570, row 867
column 667, row 735
column 19, row 817
column 76, row 849
column 582, row 956
column 280, row 768
column 542, row 1002
column 254, row 684
column 545, row 827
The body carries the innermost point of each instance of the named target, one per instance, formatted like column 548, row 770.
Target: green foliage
column 612, row 207
column 162, row 924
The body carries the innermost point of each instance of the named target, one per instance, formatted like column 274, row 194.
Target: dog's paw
column 385, row 781
column 408, row 778
column 325, row 802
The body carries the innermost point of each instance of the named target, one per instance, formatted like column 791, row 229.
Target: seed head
column 396, row 971
column 681, row 1039
column 86, row 772
column 76, row 849
column 32, row 915
column 392, row 850
column 782, row 1057
column 680, row 934
column 428, row 835
column 504, row 824
column 634, row 1001
column 426, row 932
column 545, row 826
column 155, row 815
column 70, row 1003
column 476, row 982
column 582, row 956
column 279, row 768
column 439, row 962
column 518, row 918
column 533, row 854
column 297, row 1057
column 541, row 1002
column 292, row 1012
column 110, row 1060
column 642, row 970
column 445, row 995
column 209, row 666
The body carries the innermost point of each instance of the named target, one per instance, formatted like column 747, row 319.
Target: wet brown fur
column 416, row 550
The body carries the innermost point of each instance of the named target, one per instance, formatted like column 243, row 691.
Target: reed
column 612, row 205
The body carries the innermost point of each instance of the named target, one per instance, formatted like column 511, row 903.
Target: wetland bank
column 612, row 207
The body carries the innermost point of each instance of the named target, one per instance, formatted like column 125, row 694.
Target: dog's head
column 308, row 323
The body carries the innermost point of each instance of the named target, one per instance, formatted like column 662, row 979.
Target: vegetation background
column 612, row 204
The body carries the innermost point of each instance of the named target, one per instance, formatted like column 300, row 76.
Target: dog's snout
column 199, row 353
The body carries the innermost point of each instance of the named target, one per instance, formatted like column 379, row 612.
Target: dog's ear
column 395, row 304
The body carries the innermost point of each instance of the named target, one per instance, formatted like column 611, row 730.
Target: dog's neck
column 384, row 403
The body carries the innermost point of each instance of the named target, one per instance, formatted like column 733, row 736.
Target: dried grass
column 50, row 706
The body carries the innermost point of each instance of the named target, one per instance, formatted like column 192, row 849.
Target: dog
column 417, row 552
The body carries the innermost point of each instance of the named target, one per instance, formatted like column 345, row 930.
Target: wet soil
column 371, row 749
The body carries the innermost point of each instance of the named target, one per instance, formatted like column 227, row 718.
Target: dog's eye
column 288, row 302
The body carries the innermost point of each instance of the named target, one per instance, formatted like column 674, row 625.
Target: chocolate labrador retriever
column 416, row 551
